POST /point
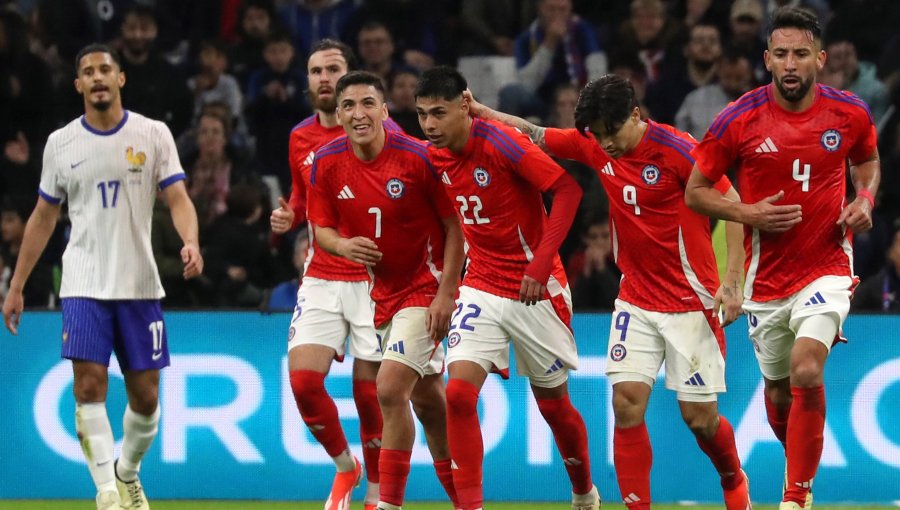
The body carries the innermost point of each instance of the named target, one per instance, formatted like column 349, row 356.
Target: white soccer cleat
column 789, row 505
column 132, row 494
column 108, row 501
column 808, row 503
column 589, row 501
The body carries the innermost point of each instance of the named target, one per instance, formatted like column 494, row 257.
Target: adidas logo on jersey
column 608, row 169
column 817, row 299
column 345, row 193
column 445, row 178
column 310, row 158
column 767, row 146
column 695, row 380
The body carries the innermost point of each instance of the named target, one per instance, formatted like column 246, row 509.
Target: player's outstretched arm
column 361, row 250
column 37, row 232
column 764, row 215
column 184, row 216
column 438, row 319
column 866, row 176
column 535, row 132
column 729, row 297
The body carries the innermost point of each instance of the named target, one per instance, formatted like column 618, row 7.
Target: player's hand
column 438, row 319
column 532, row 291
column 12, row 310
column 193, row 261
column 282, row 218
column 361, row 250
column 857, row 216
column 476, row 109
column 768, row 217
column 728, row 302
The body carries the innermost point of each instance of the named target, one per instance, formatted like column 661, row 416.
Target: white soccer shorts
column 484, row 324
column 691, row 344
column 327, row 311
column 405, row 340
column 774, row 325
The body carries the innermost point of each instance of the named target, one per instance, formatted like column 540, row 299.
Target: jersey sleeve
column 865, row 145
column 715, row 155
column 723, row 185
column 50, row 188
column 168, row 166
column 321, row 207
column 568, row 144
column 534, row 165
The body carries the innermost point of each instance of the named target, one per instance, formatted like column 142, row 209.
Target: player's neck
column 371, row 150
column 459, row 145
column 104, row 120
column 639, row 131
column 327, row 120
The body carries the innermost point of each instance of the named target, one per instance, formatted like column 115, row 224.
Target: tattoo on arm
column 537, row 134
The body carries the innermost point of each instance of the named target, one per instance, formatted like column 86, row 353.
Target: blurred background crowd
column 229, row 79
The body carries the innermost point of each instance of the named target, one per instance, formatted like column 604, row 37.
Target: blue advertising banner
column 230, row 428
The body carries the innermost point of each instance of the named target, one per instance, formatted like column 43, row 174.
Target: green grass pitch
column 315, row 505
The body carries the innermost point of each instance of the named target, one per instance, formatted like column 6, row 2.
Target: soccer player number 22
column 476, row 209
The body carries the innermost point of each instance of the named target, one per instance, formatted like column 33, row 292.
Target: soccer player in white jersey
column 109, row 165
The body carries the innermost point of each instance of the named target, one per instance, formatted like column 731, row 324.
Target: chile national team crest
column 482, row 177
column 618, row 352
column 650, row 174
column 831, row 140
column 395, row 188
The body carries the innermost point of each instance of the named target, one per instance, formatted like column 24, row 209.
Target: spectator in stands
column 211, row 83
column 14, row 214
column 695, row 68
column 629, row 66
column 562, row 115
column 402, row 102
column 416, row 27
column 591, row 270
column 214, row 171
column 237, row 253
column 238, row 143
column 881, row 292
column 180, row 293
column 275, row 104
column 490, row 28
column 647, row 34
column 701, row 106
column 558, row 47
column 256, row 23
column 746, row 35
column 284, row 295
column 376, row 51
column 156, row 88
column 858, row 76
column 313, row 20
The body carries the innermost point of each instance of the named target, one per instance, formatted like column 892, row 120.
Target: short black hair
column 609, row 99
column 442, row 82
column 96, row 48
column 334, row 44
column 278, row 36
column 795, row 17
column 140, row 11
column 359, row 78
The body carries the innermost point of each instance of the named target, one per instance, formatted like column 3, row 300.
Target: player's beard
column 101, row 106
column 323, row 105
column 797, row 94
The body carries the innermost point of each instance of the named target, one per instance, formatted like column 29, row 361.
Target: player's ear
column 464, row 105
column 766, row 60
column 820, row 60
column 121, row 78
column 78, row 85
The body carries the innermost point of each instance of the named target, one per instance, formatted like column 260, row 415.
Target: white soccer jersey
column 110, row 180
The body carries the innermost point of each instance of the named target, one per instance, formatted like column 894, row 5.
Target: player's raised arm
column 764, row 215
column 184, row 216
column 866, row 177
column 37, row 232
column 535, row 132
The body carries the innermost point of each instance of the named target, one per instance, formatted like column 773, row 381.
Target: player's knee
column 806, row 372
column 392, row 396
column 308, row 387
column 144, row 401
column 627, row 408
column 89, row 388
column 779, row 395
column 702, row 423
column 462, row 397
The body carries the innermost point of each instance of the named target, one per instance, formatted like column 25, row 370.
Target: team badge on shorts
column 291, row 333
column 453, row 339
column 831, row 140
column 618, row 352
column 395, row 188
column 482, row 177
column 650, row 174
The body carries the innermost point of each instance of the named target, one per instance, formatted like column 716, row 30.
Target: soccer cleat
column 739, row 497
column 808, row 503
column 789, row 505
column 132, row 493
column 589, row 501
column 344, row 482
column 369, row 506
column 387, row 506
column 109, row 501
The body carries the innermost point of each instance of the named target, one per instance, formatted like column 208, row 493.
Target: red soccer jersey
column 305, row 139
column 395, row 200
column 805, row 154
column 496, row 182
column 661, row 246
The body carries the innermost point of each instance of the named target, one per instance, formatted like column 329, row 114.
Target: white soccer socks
column 95, row 434
column 140, row 431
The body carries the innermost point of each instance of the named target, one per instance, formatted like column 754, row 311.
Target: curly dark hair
column 609, row 99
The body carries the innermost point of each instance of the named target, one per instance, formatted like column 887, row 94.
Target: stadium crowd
column 229, row 79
